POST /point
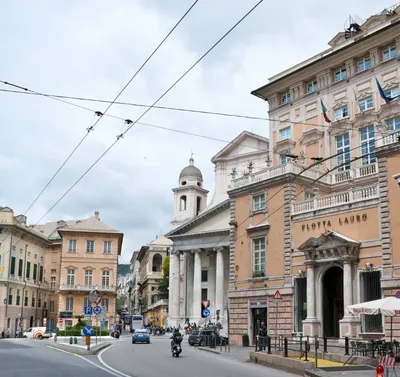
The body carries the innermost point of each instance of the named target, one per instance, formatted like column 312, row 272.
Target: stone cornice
column 200, row 234
column 340, row 127
column 311, row 136
column 283, row 146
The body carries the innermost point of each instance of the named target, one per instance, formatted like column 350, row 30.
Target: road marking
column 107, row 366
column 111, row 371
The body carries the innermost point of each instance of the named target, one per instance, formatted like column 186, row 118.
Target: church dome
column 191, row 171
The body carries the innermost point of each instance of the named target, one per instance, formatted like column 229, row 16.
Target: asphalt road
column 155, row 359
column 25, row 358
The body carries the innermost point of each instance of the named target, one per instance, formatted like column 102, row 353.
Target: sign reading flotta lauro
column 342, row 221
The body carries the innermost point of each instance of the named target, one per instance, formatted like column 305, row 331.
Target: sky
column 91, row 49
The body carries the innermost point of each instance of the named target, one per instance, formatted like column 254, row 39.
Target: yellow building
column 83, row 257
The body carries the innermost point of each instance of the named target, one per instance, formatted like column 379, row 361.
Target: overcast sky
column 92, row 48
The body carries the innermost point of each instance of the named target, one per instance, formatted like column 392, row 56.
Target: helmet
column 176, row 329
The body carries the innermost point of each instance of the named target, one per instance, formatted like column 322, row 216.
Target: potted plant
column 245, row 340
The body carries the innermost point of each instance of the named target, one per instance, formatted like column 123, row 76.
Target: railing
column 346, row 197
column 390, row 138
column 87, row 288
column 366, row 170
column 158, row 303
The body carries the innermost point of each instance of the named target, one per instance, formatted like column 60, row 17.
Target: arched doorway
column 332, row 301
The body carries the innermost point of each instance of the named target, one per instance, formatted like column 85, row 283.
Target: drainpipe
column 36, row 303
column 23, row 290
column 8, row 280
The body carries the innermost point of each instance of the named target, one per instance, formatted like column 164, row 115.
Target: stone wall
column 285, row 317
column 238, row 319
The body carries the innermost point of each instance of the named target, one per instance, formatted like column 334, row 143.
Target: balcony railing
column 390, row 138
column 87, row 288
column 158, row 303
column 346, row 197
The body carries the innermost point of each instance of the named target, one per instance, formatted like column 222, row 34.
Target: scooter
column 176, row 350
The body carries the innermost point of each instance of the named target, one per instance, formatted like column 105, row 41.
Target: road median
column 80, row 350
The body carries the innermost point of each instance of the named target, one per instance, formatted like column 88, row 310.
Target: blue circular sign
column 398, row 294
column 88, row 331
column 97, row 310
column 206, row 313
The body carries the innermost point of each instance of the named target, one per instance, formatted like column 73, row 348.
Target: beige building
column 325, row 235
column 23, row 286
column 83, row 257
column 151, row 258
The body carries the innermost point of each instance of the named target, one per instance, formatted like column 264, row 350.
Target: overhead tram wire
column 133, row 123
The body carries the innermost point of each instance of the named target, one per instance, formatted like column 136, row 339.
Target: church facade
column 200, row 254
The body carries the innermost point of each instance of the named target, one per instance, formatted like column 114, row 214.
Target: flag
column 324, row 110
column 358, row 103
column 382, row 93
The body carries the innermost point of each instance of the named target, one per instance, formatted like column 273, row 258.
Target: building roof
column 191, row 171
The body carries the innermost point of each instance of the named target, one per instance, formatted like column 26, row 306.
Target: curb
column 79, row 351
column 209, row 350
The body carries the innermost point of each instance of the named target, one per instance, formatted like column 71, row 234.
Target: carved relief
column 283, row 146
column 339, row 105
column 311, row 136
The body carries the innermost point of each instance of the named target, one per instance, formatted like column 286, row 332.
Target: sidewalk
column 237, row 353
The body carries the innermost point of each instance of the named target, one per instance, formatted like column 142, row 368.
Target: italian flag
column 324, row 110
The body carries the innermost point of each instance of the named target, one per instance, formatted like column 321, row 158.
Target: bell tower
column 190, row 198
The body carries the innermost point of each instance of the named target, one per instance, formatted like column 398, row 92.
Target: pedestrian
column 263, row 336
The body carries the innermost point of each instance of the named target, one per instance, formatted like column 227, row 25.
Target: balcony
column 329, row 201
column 158, row 303
column 359, row 172
column 87, row 288
column 388, row 139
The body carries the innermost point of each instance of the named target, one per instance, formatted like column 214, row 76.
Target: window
column 51, row 309
column 26, row 299
column 107, row 247
column 105, row 303
column 366, row 104
column 71, row 277
column 28, row 270
column 41, row 273
column 35, row 257
column 90, row 246
column 343, row 147
column 364, row 63
column 88, row 277
column 45, row 301
column 72, row 246
column 105, row 279
column 33, row 300
column 69, row 304
column 341, row 113
column 392, row 93
column 370, row 290
column 308, row 195
column 68, row 323
column 312, row 86
column 53, row 270
column 53, row 284
column 35, row 272
column 283, row 159
column 198, row 205
column 258, row 202
column 39, row 303
column 259, row 256
column 393, row 124
column 204, row 275
column 182, row 203
column 368, row 145
column 204, row 294
column 389, row 52
column 300, row 303
column 18, row 302
column 10, row 296
column 20, row 267
column 285, row 98
column 12, row 272
column 340, row 74
column 286, row 133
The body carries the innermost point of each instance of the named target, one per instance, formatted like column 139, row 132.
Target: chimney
column 96, row 215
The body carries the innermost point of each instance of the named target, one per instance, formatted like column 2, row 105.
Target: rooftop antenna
column 351, row 27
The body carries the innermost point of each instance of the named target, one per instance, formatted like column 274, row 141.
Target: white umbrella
column 388, row 306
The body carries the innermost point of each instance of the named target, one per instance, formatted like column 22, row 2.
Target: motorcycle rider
column 176, row 338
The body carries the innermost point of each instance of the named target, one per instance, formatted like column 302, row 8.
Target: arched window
column 182, row 203
column 198, row 205
column 157, row 263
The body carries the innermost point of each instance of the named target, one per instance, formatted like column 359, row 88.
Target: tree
column 163, row 283
column 121, row 303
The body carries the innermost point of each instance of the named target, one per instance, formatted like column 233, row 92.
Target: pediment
column 364, row 95
column 365, row 118
column 337, row 39
column 339, row 105
column 284, row 146
column 219, row 221
column 390, row 85
column 373, row 21
column 340, row 127
column 311, row 136
column 330, row 245
column 245, row 143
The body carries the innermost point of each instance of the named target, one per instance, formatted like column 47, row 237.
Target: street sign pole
column 277, row 298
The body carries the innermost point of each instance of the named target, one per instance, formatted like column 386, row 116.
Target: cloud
column 91, row 49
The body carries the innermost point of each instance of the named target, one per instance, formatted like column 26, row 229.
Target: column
column 173, row 306
column 197, row 285
column 211, row 284
column 219, row 282
column 183, row 286
column 347, row 286
column 311, row 313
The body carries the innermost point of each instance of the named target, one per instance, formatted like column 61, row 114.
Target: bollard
column 316, row 345
column 269, row 344
column 257, row 339
column 346, row 346
column 285, row 348
column 75, row 340
column 379, row 371
column 70, row 340
column 301, row 343
column 306, row 350
column 325, row 344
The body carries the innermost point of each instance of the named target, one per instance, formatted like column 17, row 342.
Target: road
column 155, row 359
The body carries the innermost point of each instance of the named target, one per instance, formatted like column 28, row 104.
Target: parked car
column 140, row 336
column 203, row 338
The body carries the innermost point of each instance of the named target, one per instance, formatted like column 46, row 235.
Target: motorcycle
column 176, row 349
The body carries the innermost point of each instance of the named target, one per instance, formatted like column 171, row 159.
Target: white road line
column 110, row 370
column 107, row 366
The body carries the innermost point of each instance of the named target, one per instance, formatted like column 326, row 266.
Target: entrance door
column 332, row 296
column 259, row 315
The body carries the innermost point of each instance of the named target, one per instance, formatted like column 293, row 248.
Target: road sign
column 206, row 313
column 93, row 296
column 96, row 310
column 277, row 296
column 398, row 294
column 88, row 310
column 102, row 315
column 98, row 300
column 60, row 320
column 88, row 331
column 21, row 324
column 205, row 303
column 102, row 324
